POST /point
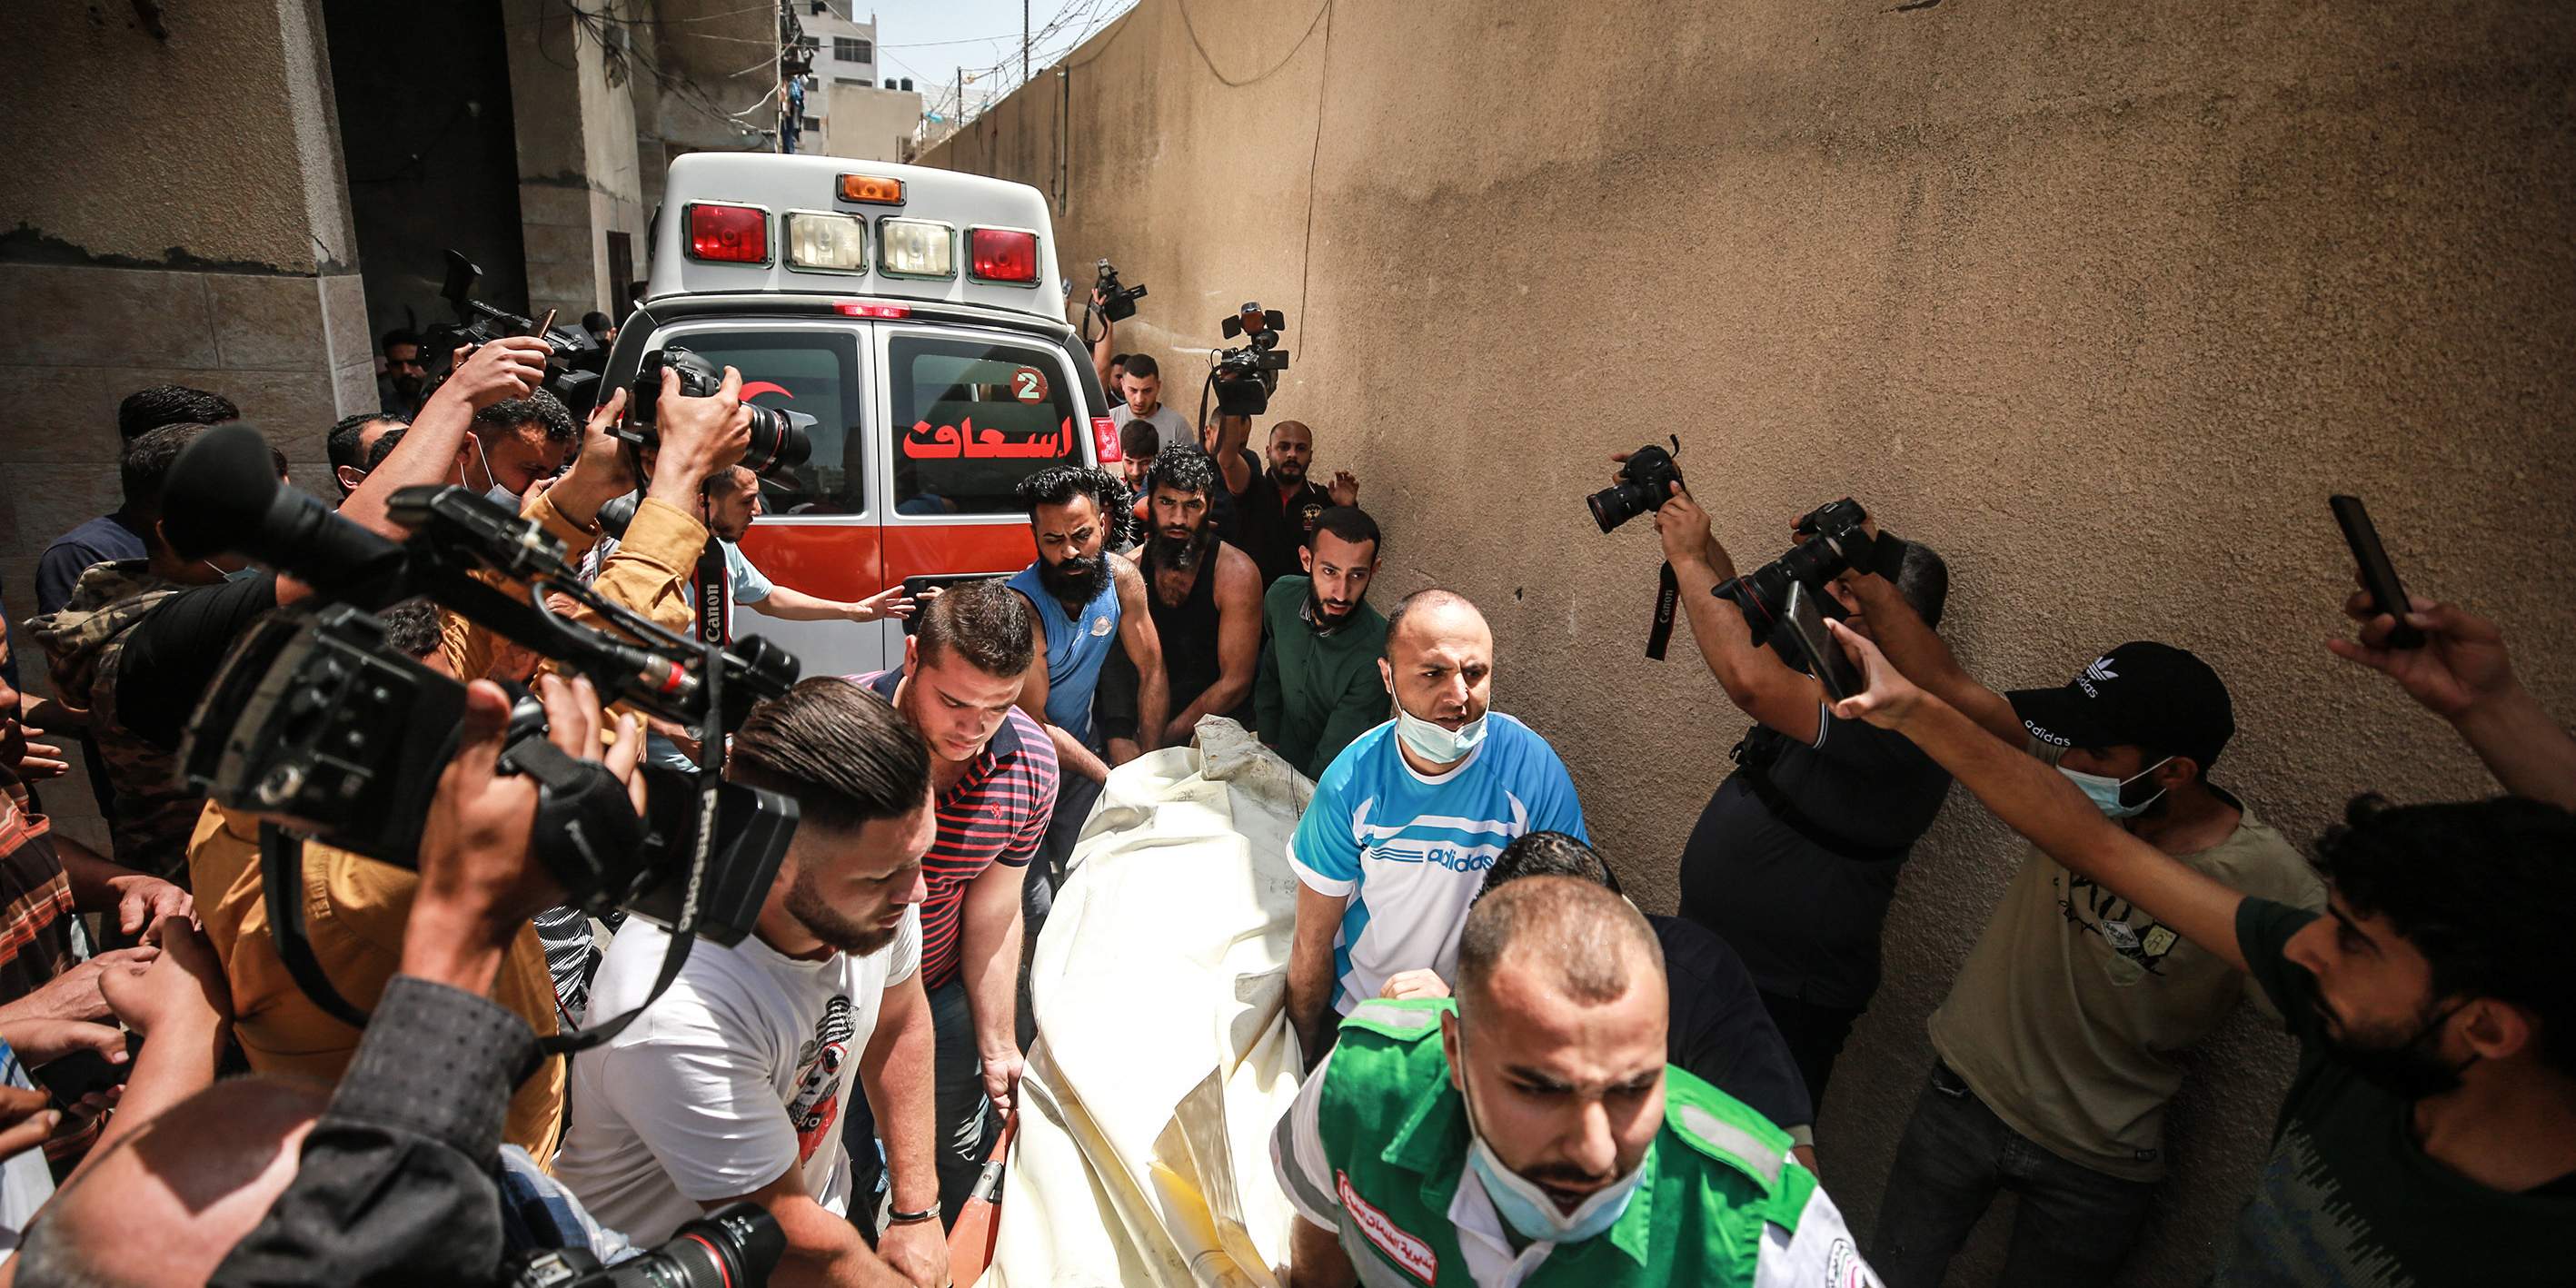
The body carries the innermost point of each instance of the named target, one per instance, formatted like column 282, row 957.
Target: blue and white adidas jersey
column 1412, row 851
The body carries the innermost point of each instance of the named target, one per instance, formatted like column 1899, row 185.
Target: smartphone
column 1825, row 657
column 76, row 1075
column 2377, row 574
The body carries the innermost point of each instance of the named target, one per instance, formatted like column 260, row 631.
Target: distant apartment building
column 853, row 109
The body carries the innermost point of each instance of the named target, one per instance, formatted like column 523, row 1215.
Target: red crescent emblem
column 764, row 387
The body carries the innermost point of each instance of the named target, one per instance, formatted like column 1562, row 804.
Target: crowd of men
column 1512, row 1075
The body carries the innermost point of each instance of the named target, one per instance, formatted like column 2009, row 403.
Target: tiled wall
column 291, row 351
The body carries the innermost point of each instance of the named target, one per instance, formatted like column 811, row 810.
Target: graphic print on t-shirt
column 2140, row 943
column 815, row 1109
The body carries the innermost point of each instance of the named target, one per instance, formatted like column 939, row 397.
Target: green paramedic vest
column 1395, row 1133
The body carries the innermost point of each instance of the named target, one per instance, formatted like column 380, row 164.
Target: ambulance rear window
column 972, row 418
column 816, row 373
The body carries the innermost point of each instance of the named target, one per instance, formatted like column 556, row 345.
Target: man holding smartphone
column 1796, row 856
column 2056, row 1043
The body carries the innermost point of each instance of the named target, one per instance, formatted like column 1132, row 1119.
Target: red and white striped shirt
column 997, row 813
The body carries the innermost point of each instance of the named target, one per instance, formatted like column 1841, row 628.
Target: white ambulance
column 918, row 317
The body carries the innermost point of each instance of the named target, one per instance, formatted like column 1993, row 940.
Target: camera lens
column 778, row 443
column 1616, row 504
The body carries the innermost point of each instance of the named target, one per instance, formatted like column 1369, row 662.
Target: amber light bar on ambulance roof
column 872, row 190
column 731, row 234
column 1002, row 255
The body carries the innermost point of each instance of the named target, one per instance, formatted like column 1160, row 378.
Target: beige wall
column 574, row 108
column 869, row 124
column 2101, row 300
column 171, row 210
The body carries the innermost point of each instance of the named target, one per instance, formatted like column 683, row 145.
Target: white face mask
column 2105, row 790
column 1530, row 1210
column 1435, row 744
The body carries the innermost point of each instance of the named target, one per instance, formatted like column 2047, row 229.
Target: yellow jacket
column 354, row 912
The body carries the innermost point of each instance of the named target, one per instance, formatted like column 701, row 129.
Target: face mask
column 2105, row 791
column 2409, row 1070
column 1435, row 744
column 243, row 573
column 1531, row 1212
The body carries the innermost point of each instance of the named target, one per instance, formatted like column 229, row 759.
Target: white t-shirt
column 1172, row 427
column 738, row 1072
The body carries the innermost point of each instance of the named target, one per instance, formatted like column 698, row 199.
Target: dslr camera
column 1245, row 377
column 1646, row 481
column 735, row 1246
column 1117, row 303
column 1832, row 542
column 778, row 440
column 572, row 374
column 314, row 723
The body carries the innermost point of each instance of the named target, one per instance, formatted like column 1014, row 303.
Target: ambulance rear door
column 818, row 530
column 967, row 412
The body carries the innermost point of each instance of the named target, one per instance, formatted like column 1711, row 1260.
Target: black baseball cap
column 2141, row 694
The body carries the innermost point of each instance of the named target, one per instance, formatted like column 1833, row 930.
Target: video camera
column 778, row 440
column 735, row 1246
column 1117, row 303
column 1245, row 378
column 314, row 723
column 571, row 372
column 1835, row 541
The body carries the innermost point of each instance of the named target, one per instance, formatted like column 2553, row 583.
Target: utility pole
column 1024, row 42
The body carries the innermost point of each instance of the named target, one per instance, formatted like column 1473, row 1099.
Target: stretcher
column 1163, row 1055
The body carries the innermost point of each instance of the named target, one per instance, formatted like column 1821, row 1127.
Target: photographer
column 404, row 379
column 1796, row 856
column 2427, row 1138
column 240, row 1184
column 2057, row 1042
column 731, row 1087
column 354, row 912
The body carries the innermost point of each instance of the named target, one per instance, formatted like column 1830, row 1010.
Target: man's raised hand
column 2462, row 661
column 503, row 369
column 1889, row 696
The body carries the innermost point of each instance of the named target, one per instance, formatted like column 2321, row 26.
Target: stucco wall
column 2101, row 300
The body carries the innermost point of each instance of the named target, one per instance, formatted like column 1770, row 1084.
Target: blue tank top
column 1076, row 648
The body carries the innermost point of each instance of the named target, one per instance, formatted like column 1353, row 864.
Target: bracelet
column 896, row 1217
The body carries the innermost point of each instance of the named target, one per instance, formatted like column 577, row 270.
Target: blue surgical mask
column 243, row 573
column 2105, row 790
column 1435, row 744
column 1532, row 1213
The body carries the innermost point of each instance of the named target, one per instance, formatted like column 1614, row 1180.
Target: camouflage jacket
column 152, row 811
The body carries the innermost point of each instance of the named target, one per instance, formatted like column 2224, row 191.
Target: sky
column 929, row 40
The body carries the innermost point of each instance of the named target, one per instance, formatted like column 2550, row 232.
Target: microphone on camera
column 223, row 496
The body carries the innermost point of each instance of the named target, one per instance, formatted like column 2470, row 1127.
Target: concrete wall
column 427, row 126
column 197, row 233
column 2101, row 300
column 578, row 175
column 869, row 124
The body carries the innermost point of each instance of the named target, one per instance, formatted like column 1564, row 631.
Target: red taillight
column 734, row 234
column 1003, row 255
column 1104, row 435
column 854, row 309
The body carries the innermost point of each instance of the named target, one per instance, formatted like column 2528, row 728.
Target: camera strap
column 715, row 598
column 281, row 881
column 1668, row 598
